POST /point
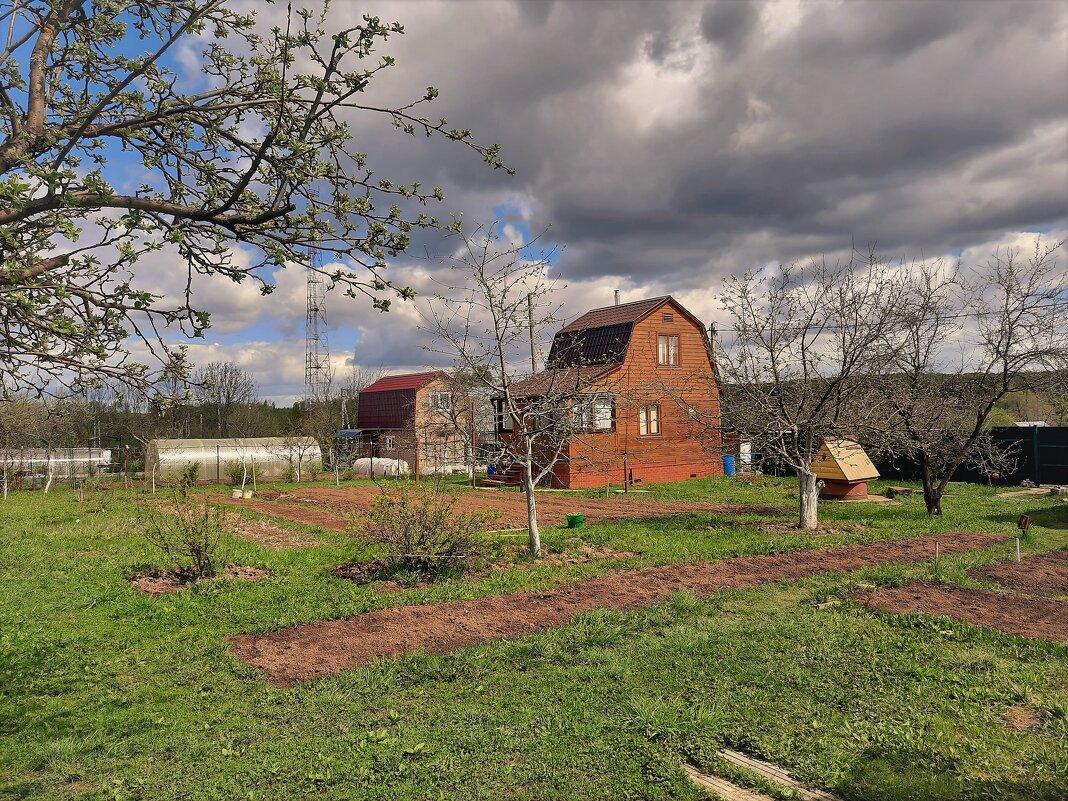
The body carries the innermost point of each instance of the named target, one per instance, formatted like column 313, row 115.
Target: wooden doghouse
column 845, row 468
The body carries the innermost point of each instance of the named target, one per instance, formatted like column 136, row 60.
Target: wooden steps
column 775, row 774
column 728, row 791
column 721, row 788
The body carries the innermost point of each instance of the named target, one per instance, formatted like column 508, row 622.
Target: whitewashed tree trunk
column 809, row 488
column 534, row 538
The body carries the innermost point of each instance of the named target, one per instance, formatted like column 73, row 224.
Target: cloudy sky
column 666, row 146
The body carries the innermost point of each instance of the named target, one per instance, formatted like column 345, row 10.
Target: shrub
column 189, row 476
column 420, row 533
column 314, row 469
column 188, row 535
column 348, row 475
column 289, row 472
column 237, row 473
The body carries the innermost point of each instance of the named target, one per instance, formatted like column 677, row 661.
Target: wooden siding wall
column 687, row 446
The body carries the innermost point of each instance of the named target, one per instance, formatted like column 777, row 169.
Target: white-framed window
column 649, row 420
column 441, row 401
column 389, row 443
column 667, row 349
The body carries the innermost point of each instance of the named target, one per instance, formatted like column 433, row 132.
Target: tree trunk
column 808, row 489
column 932, row 491
column 532, row 511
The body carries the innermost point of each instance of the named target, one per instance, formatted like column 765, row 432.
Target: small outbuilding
column 845, row 469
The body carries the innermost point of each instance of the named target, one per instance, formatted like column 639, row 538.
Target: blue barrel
column 728, row 465
column 490, row 470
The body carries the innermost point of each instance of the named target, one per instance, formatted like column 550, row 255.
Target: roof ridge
column 628, row 303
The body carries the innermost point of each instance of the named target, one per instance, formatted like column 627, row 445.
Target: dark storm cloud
column 671, row 144
column 728, row 23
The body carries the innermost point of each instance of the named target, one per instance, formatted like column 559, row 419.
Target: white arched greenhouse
column 254, row 458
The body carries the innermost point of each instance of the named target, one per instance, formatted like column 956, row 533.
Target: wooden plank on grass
column 774, row 774
column 721, row 788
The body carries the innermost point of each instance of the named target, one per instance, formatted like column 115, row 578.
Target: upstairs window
column 668, row 318
column 441, row 401
column 667, row 350
column 389, row 443
column 649, row 420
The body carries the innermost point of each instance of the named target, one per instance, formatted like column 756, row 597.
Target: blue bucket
column 728, row 465
column 490, row 470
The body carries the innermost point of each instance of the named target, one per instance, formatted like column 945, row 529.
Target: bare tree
column 966, row 339
column 795, row 365
column 219, row 389
column 497, row 291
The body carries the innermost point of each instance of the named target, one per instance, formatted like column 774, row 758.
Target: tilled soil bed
column 1026, row 616
column 314, row 650
column 1037, row 575
column 163, row 582
column 332, row 507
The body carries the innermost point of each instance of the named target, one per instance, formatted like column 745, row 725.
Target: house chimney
column 617, row 297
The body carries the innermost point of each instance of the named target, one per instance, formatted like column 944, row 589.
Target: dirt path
column 315, row 650
column 1040, row 618
column 331, row 507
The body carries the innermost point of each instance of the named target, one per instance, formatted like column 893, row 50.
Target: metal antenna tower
column 317, row 350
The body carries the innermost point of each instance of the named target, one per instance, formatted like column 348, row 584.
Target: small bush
column 188, row 535
column 289, row 472
column 237, row 473
column 189, row 476
column 348, row 475
column 419, row 531
column 314, row 470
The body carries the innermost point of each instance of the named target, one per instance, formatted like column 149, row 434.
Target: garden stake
column 1023, row 525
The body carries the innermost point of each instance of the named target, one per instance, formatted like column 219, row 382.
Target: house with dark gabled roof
column 416, row 417
column 653, row 416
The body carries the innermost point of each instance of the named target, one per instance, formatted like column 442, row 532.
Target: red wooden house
column 653, row 414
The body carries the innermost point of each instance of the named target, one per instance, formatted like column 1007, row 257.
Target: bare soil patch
column 164, row 582
column 268, row 533
column 315, row 650
column 1026, row 616
column 296, row 513
column 1037, row 575
column 1021, row 718
column 332, row 507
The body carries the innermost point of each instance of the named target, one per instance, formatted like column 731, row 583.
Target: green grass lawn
column 108, row 694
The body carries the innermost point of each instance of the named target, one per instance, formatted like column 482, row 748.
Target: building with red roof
column 416, row 417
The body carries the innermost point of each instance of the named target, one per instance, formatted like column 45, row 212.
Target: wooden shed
column 845, row 469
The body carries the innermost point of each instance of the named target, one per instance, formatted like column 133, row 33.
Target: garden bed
column 315, row 650
column 1036, row 575
column 1025, row 616
column 163, row 581
column 332, row 507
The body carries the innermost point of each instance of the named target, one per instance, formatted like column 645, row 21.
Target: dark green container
column 576, row 521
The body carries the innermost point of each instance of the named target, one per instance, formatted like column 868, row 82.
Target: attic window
column 668, row 318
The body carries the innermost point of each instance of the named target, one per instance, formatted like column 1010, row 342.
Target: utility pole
column 530, row 325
